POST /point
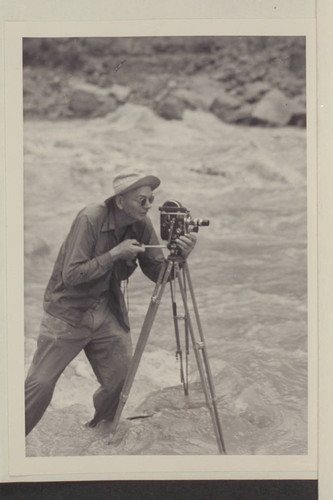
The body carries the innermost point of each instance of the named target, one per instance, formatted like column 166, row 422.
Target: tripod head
column 175, row 254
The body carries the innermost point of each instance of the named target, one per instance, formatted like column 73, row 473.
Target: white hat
column 128, row 178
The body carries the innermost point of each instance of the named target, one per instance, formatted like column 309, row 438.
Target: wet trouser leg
column 57, row 345
column 109, row 353
column 107, row 346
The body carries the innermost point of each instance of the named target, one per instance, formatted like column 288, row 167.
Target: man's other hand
column 186, row 243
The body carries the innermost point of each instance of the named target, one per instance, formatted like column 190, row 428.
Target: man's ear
column 119, row 201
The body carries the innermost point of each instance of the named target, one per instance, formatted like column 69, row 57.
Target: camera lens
column 201, row 222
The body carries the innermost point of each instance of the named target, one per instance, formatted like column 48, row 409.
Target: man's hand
column 127, row 249
column 186, row 243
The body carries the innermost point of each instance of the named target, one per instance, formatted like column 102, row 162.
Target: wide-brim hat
column 128, row 178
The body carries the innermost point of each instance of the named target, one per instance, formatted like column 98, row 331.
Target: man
column 84, row 306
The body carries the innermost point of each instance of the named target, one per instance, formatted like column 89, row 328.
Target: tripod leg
column 179, row 353
column 202, row 359
column 142, row 340
column 204, row 349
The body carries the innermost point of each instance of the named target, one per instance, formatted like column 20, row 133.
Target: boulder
column 192, row 99
column 167, row 422
column 255, row 91
column 120, row 92
column 275, row 109
column 298, row 117
column 170, row 108
column 224, row 74
column 297, row 61
column 77, row 84
column 243, row 114
column 106, row 106
column 224, row 107
column 88, row 100
column 83, row 103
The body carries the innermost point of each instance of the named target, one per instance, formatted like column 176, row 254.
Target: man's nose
column 148, row 203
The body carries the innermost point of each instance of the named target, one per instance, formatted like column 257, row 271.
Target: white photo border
column 143, row 467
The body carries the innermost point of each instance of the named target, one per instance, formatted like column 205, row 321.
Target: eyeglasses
column 146, row 200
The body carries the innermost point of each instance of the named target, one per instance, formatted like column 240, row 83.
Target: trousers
column 107, row 346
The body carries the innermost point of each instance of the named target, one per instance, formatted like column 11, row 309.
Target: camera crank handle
column 153, row 246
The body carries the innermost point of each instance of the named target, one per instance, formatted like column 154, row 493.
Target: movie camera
column 176, row 220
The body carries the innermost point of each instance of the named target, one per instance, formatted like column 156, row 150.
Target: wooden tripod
column 171, row 268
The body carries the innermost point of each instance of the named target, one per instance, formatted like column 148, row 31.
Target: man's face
column 137, row 202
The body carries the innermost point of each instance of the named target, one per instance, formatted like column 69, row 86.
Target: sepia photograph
column 165, row 245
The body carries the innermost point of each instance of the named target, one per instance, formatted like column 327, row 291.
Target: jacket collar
column 109, row 223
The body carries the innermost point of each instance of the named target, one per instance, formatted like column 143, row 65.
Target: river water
column 249, row 268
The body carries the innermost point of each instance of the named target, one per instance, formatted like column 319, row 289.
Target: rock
column 61, row 432
column 298, row 117
column 192, row 99
column 93, row 78
column 170, row 108
column 88, row 100
column 168, row 422
column 120, row 92
column 255, row 90
column 224, row 74
column 274, row 108
column 297, row 61
column 241, row 115
column 97, row 91
column 105, row 80
column 151, row 88
column 108, row 105
column 83, row 103
column 224, row 107
column 56, row 83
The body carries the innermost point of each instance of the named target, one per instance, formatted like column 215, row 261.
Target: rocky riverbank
column 243, row 80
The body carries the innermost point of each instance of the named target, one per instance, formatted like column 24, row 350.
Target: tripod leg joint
column 123, row 397
column 155, row 300
column 211, row 402
column 200, row 346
